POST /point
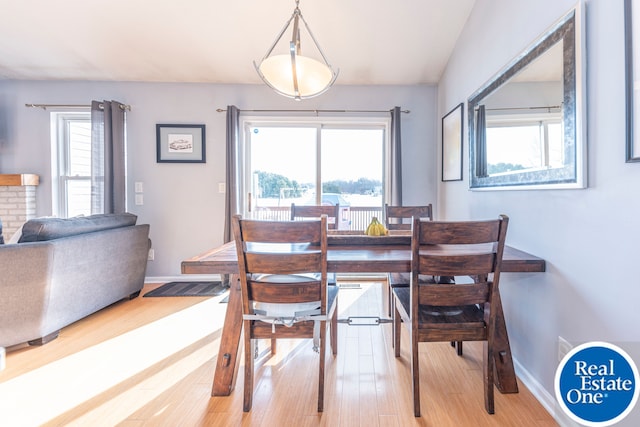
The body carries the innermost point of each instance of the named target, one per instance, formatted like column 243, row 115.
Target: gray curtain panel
column 396, row 158
column 231, row 187
column 231, row 191
column 481, row 142
column 108, row 175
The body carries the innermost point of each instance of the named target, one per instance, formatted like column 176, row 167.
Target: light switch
column 139, row 187
column 139, row 199
column 221, row 187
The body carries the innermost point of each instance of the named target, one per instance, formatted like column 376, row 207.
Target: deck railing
column 360, row 215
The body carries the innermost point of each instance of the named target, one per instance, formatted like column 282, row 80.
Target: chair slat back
column 316, row 211
column 297, row 261
column 399, row 217
column 281, row 232
column 268, row 249
column 459, row 265
column 454, row 295
column 283, row 293
column 474, row 249
column 460, row 232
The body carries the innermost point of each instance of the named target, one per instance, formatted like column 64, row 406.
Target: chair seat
column 465, row 315
column 331, row 278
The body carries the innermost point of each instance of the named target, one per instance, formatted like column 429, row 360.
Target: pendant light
column 293, row 74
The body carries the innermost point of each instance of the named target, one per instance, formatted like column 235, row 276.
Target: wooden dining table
column 346, row 255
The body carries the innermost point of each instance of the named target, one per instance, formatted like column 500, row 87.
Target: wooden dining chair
column 315, row 211
column 283, row 280
column 400, row 218
column 452, row 312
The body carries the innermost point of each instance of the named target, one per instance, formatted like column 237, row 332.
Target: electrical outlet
column 139, row 187
column 222, row 187
column 564, row 347
column 139, row 199
column 151, row 255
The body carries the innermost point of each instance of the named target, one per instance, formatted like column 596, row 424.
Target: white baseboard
column 543, row 396
column 183, row 278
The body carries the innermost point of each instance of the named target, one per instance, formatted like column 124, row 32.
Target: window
column 71, row 168
column 311, row 162
column 524, row 143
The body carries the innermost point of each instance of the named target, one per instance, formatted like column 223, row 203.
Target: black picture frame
column 452, row 143
column 180, row 143
column 632, row 73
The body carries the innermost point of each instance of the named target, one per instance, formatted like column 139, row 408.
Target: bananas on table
column 375, row 228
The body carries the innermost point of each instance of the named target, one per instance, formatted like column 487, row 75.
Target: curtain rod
column 221, row 110
column 45, row 106
column 549, row 107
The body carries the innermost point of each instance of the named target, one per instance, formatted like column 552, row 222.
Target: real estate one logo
column 596, row 384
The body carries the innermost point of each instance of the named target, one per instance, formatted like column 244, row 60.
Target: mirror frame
column 570, row 30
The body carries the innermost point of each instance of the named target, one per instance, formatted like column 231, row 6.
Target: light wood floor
column 150, row 362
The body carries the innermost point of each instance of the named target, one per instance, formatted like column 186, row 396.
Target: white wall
column 181, row 201
column 589, row 238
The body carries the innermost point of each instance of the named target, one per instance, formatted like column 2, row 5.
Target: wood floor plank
column 166, row 350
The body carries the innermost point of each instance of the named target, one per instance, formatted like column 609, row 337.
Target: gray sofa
column 62, row 270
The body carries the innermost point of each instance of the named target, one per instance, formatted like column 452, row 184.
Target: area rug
column 188, row 289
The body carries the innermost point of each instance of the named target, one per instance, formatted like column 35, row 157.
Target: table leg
column 504, row 374
column 227, row 365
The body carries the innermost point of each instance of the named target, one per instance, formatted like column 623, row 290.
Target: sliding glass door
column 313, row 163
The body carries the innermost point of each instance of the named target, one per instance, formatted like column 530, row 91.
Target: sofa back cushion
column 41, row 229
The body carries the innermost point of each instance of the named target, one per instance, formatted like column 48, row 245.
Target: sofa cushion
column 41, row 229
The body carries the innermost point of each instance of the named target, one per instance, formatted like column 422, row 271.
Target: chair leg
column 323, row 350
column 397, row 324
column 249, row 346
column 392, row 314
column 334, row 330
column 415, row 373
column 458, row 346
column 274, row 347
column 488, row 377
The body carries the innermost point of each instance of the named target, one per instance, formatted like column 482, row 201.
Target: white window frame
column 60, row 149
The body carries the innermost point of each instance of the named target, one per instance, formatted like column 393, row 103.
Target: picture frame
column 452, row 144
column 632, row 75
column 180, row 143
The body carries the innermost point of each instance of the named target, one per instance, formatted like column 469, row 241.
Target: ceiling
column 370, row 41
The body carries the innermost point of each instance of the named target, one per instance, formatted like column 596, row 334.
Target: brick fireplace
column 17, row 201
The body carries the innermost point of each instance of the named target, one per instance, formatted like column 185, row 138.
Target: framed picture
column 180, row 144
column 632, row 65
column 452, row 145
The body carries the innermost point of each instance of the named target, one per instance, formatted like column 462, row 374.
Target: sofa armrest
column 24, row 289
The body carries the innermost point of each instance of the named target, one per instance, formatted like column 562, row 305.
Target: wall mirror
column 526, row 124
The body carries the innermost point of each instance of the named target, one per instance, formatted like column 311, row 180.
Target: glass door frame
column 319, row 123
